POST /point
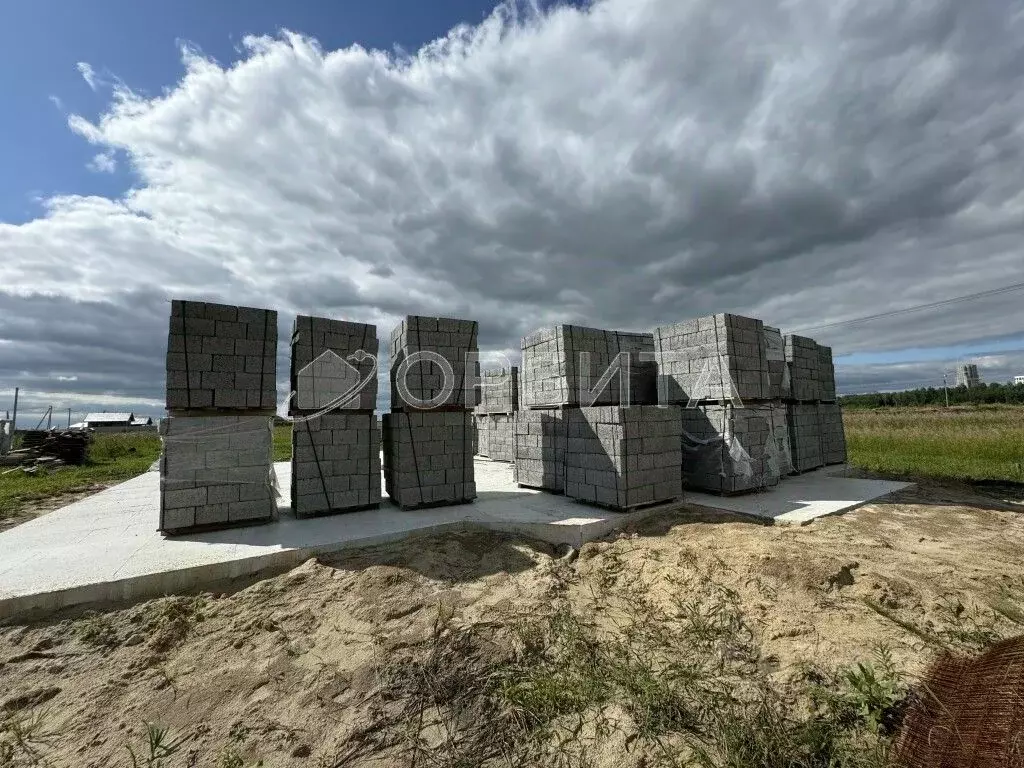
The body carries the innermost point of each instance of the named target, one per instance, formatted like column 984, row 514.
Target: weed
column 159, row 748
column 24, row 738
column 97, row 629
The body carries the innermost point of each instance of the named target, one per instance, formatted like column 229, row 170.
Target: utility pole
column 946, row 388
column 49, row 418
column 69, row 418
column 14, row 423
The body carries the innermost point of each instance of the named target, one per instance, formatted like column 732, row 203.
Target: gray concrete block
column 334, row 457
column 204, row 339
column 423, row 380
column 416, row 467
column 731, row 450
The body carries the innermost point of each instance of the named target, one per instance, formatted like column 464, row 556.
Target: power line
column 918, row 308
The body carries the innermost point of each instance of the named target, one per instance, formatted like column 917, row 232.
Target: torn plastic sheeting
column 708, row 452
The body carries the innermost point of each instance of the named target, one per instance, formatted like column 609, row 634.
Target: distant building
column 1018, row 379
column 117, row 422
column 967, row 375
column 105, row 419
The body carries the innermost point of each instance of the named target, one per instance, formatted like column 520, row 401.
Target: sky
column 618, row 164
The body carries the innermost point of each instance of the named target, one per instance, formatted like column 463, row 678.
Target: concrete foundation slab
column 106, row 547
column 802, row 498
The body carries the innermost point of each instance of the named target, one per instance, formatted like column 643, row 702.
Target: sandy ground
column 287, row 670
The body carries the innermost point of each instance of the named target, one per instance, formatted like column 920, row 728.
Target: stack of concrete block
column 805, row 436
column 429, row 442
column 833, row 436
column 335, row 463
column 826, row 375
column 781, row 455
column 499, row 391
column 216, row 466
column 715, row 358
column 623, row 457
column 802, row 361
column 495, row 421
column 730, row 449
column 428, row 458
column 453, row 340
column 335, row 437
column 216, row 471
column 540, row 444
column 778, row 370
column 558, row 361
column 496, row 436
column 330, row 359
column 221, row 357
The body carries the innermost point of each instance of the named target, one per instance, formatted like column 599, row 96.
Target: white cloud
column 638, row 162
column 88, row 74
column 103, row 163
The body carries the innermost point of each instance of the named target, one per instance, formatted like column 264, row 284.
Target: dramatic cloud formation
column 633, row 163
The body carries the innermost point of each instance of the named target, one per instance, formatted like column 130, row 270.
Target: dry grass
column 969, row 443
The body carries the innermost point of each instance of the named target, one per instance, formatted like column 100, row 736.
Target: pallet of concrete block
column 833, row 436
column 732, row 449
column 221, row 356
column 428, row 458
column 826, row 374
column 561, row 363
column 538, row 444
column 333, row 362
column 422, row 348
column 778, row 370
column 216, row 472
column 335, row 464
column 499, row 391
column 802, row 360
column 623, row 458
column 714, row 358
column 805, row 436
column 496, row 436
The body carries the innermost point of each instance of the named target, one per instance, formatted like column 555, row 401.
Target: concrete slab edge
column 134, row 589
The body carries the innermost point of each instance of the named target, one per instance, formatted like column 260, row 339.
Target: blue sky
column 42, row 41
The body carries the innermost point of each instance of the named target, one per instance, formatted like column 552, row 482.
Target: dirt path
column 292, row 670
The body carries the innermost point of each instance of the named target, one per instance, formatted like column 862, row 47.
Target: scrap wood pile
column 43, row 449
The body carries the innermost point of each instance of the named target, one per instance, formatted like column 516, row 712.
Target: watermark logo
column 332, row 383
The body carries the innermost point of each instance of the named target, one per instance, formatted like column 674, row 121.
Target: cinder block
column 833, row 435
column 574, row 365
column 424, row 381
column 330, row 359
column 204, row 339
column 332, row 456
column 199, row 469
column 802, row 361
column 727, row 449
column 499, row 391
column 416, row 467
column 716, row 358
column 805, row 436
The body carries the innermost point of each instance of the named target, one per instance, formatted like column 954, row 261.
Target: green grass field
column 283, row 442
column 965, row 443
column 112, row 459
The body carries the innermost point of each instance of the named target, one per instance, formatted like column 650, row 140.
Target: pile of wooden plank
column 49, row 448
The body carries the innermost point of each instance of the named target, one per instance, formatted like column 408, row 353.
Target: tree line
column 982, row 394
